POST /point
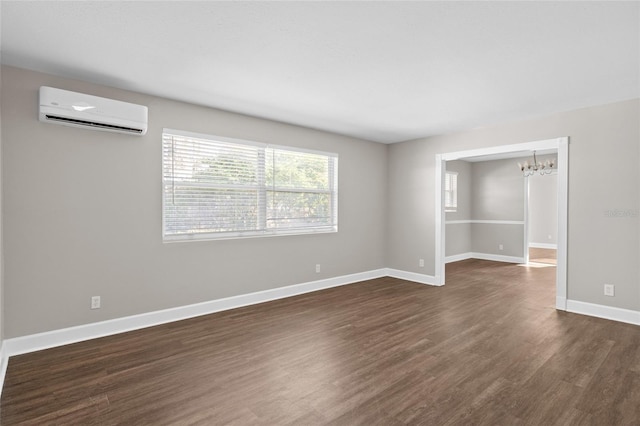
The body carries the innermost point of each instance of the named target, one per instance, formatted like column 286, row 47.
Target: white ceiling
column 382, row 71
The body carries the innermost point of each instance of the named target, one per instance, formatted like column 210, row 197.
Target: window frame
column 262, row 188
column 451, row 207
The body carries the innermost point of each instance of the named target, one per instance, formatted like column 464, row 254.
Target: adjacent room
column 494, row 213
column 327, row 213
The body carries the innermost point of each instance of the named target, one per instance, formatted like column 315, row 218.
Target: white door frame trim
column 562, row 146
column 525, row 250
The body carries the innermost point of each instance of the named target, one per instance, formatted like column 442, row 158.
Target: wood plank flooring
column 539, row 255
column 487, row 348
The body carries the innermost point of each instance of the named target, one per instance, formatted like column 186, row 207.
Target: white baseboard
column 544, row 246
column 412, row 276
column 483, row 256
column 458, row 257
column 561, row 303
column 497, row 257
column 4, row 363
column 65, row 336
column 602, row 311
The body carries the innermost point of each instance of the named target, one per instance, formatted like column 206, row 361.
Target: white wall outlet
column 317, row 268
column 609, row 290
column 421, row 263
column 95, row 302
column 549, row 236
column 501, row 247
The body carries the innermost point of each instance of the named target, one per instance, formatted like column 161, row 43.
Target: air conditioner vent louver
column 91, row 112
column 93, row 124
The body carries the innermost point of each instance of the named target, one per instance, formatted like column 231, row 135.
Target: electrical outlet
column 421, row 263
column 501, row 247
column 317, row 268
column 95, row 302
column 549, row 236
column 609, row 290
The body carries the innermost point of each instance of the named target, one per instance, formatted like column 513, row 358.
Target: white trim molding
column 484, row 256
column 490, row 222
column 413, row 276
column 497, row 257
column 543, row 246
column 65, row 336
column 525, row 227
column 458, row 257
column 602, row 311
column 563, row 217
column 440, row 218
column 503, row 149
column 4, row 363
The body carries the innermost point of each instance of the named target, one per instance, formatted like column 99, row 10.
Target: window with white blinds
column 215, row 187
column 450, row 191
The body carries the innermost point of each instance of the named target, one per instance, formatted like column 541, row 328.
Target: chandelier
column 529, row 169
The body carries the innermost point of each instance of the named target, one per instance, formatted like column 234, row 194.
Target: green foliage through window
column 222, row 188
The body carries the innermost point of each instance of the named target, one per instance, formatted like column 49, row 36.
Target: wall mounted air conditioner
column 91, row 112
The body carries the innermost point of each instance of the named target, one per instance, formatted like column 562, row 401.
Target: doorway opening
column 559, row 147
column 541, row 219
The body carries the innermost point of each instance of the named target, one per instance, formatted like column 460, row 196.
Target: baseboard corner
column 413, row 276
column 458, row 257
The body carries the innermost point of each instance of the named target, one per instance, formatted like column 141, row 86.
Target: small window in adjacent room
column 450, row 191
column 215, row 187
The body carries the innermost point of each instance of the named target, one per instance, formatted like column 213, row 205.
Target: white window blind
column 216, row 187
column 450, row 191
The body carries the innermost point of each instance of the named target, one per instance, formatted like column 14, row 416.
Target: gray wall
column 81, row 210
column 497, row 193
column 606, row 137
column 543, row 209
column 497, row 190
column 486, row 238
column 82, row 214
column 458, row 235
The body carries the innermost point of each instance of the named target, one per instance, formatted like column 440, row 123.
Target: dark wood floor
column 487, row 348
